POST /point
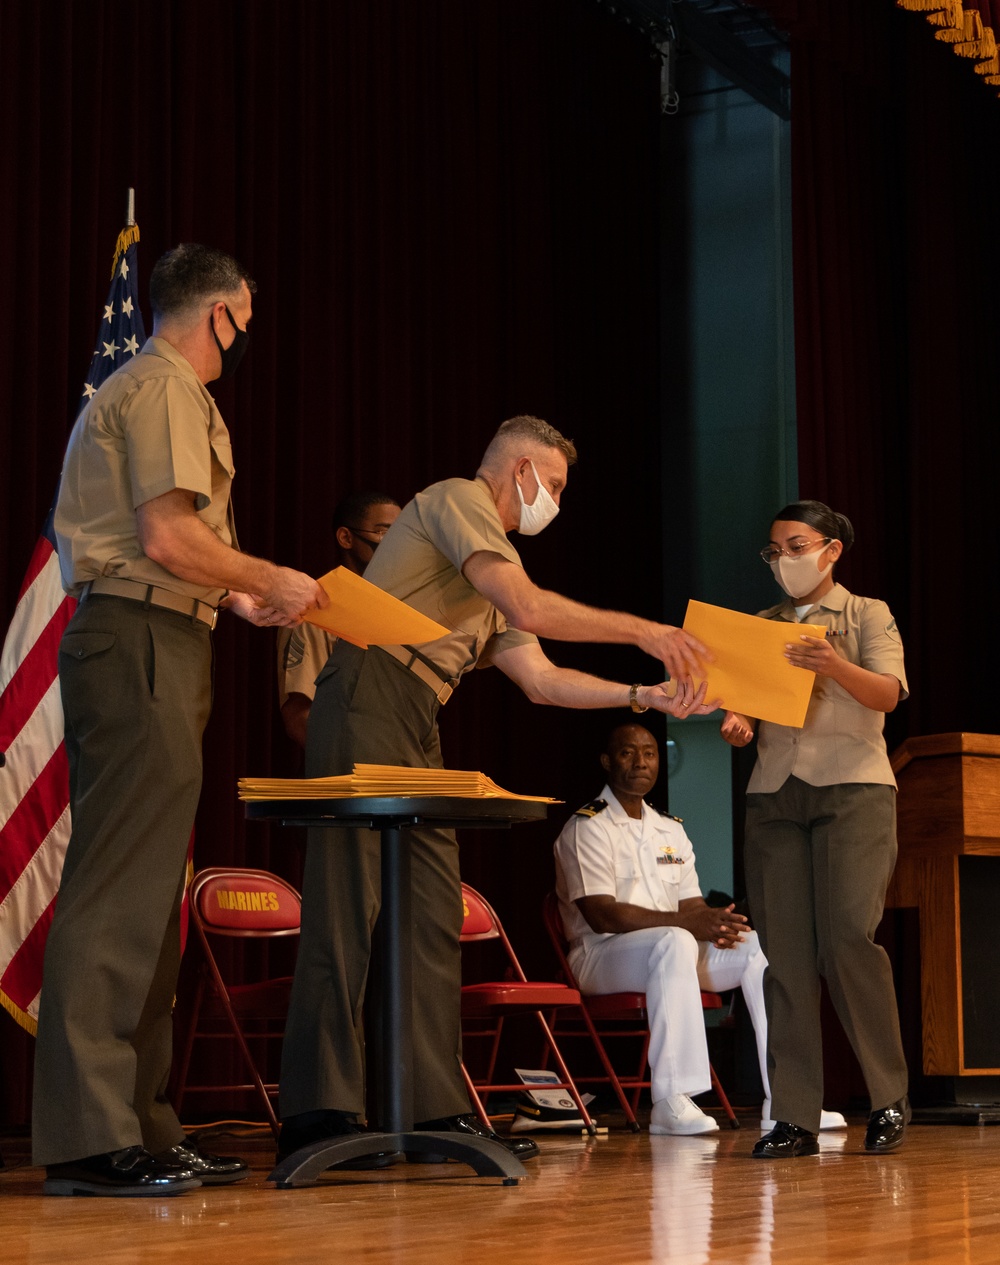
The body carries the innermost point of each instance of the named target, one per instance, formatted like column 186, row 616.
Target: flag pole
column 34, row 787
column 129, row 234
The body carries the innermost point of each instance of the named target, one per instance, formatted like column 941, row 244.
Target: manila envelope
column 750, row 673
column 362, row 614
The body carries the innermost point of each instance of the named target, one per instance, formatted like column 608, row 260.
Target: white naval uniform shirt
column 649, row 863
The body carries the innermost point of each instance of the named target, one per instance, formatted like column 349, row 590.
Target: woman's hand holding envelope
column 736, row 729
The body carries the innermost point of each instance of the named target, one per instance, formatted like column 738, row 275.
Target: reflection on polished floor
column 621, row 1199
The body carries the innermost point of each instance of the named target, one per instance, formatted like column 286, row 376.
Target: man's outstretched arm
column 549, row 614
column 530, row 668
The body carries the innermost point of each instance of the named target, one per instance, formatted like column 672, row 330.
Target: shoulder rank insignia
column 669, row 816
column 592, row 809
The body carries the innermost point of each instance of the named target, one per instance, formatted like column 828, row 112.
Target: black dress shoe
column 212, row 1170
column 323, row 1126
column 785, row 1141
column 887, row 1126
column 131, row 1171
column 472, row 1126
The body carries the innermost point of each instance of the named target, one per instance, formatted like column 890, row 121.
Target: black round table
column 392, row 816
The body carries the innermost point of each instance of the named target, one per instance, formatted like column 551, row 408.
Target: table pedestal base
column 391, row 816
column 486, row 1157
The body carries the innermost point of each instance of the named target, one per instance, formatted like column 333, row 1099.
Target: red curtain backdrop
column 896, row 195
column 450, row 211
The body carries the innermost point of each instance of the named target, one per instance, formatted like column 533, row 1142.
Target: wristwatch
column 633, row 700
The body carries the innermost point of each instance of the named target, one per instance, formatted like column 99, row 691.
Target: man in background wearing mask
column 360, row 521
column 449, row 557
column 146, row 544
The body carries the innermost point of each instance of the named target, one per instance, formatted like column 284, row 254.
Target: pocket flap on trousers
column 82, row 645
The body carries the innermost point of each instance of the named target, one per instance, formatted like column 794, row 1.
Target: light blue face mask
column 540, row 512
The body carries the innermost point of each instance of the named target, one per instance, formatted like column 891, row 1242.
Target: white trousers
column 671, row 967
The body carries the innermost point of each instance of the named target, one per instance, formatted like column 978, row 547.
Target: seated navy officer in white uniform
column 636, row 921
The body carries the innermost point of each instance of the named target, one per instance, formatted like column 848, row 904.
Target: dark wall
column 450, row 210
column 895, row 202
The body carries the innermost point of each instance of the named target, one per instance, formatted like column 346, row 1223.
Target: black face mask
column 233, row 354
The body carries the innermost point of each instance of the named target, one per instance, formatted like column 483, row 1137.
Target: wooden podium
column 949, row 841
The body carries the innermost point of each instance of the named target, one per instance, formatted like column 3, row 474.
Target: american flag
column 34, row 782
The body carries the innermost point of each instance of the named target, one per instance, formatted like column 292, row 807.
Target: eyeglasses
column 378, row 532
column 771, row 553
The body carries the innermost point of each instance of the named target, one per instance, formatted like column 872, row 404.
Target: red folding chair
column 486, row 1006
column 242, row 904
column 613, row 1015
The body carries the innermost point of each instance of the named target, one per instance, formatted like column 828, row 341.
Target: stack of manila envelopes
column 381, row 780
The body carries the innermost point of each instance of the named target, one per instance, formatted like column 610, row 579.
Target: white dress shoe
column 827, row 1120
column 680, row 1115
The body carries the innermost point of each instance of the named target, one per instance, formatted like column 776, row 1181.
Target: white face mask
column 540, row 512
column 799, row 576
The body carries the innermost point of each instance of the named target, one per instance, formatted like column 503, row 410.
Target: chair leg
column 564, row 1073
column 477, row 1102
column 544, row 1054
column 494, row 1052
column 181, row 1075
column 609, row 1070
column 640, row 1072
column 220, row 990
column 721, row 1095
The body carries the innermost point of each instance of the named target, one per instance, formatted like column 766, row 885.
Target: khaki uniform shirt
column 420, row 561
column 150, row 429
column 302, row 655
column 841, row 740
column 602, row 851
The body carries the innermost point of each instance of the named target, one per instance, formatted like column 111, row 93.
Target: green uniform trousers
column 818, row 861
column 370, row 709
column 136, row 689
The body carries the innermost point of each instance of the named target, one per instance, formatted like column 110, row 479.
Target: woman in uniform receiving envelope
column 821, row 839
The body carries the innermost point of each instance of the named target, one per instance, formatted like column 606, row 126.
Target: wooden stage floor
column 620, row 1199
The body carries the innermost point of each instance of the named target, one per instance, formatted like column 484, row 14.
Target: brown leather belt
column 152, row 595
column 441, row 687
